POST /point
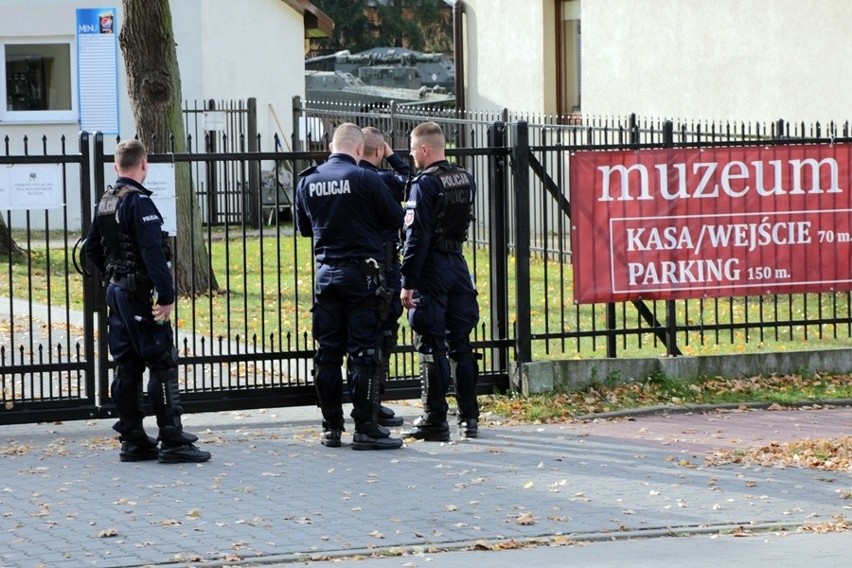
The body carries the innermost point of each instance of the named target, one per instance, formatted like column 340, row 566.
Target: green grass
column 265, row 292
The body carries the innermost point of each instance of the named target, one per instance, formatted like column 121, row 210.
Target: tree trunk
column 153, row 83
column 8, row 246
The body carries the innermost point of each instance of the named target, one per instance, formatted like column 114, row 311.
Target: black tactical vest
column 454, row 207
column 120, row 250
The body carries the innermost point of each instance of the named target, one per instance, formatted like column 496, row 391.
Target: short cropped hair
column 373, row 139
column 429, row 133
column 129, row 154
column 346, row 137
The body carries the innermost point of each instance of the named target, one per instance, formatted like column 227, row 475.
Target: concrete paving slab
column 273, row 494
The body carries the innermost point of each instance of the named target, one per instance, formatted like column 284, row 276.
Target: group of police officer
column 352, row 210
column 356, row 213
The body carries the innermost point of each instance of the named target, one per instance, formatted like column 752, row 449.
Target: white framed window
column 37, row 81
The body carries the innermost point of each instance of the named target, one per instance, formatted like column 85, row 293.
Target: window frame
column 569, row 59
column 71, row 115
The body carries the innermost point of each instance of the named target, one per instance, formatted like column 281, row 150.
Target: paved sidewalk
column 273, row 495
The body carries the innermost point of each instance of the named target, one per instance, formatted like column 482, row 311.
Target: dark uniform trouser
column 136, row 341
column 446, row 313
column 345, row 321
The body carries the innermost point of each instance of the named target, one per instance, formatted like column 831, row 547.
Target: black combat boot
column 177, row 446
column 370, row 436
column 430, row 428
column 468, row 427
column 181, row 453
column 387, row 417
column 138, row 446
column 331, row 434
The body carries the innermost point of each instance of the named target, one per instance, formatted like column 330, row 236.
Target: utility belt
column 368, row 264
column 374, row 271
column 446, row 245
column 137, row 285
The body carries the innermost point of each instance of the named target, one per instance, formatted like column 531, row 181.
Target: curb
column 707, row 408
column 529, row 542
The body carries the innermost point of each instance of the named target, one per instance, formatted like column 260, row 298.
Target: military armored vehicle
column 335, row 87
column 391, row 67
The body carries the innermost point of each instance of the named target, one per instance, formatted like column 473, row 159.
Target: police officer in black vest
column 437, row 287
column 346, row 209
column 126, row 244
column 377, row 149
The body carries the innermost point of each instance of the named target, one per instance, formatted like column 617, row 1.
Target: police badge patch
column 409, row 217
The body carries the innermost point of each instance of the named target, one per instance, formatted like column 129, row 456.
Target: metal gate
column 47, row 352
column 247, row 343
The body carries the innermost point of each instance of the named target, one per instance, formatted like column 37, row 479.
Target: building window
column 37, row 82
column 569, row 56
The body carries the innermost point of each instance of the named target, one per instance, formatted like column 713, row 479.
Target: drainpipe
column 458, row 55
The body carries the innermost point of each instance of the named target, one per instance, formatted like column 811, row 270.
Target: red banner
column 690, row 223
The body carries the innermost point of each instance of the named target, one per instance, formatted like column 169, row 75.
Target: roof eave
column 317, row 23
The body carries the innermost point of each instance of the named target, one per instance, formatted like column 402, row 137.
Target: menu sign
column 97, row 69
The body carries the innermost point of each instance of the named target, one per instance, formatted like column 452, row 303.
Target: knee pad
column 464, row 366
column 164, row 361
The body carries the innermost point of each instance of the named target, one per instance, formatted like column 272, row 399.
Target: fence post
column 392, row 133
column 779, row 128
column 91, row 284
column 104, row 399
column 521, row 181
column 499, row 272
column 210, row 167
column 671, row 312
column 297, row 115
column 253, row 166
column 611, row 323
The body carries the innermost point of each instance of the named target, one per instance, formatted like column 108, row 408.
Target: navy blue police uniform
column 396, row 179
column 347, row 209
column 437, row 217
column 126, row 244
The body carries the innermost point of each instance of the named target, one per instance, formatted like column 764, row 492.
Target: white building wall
column 741, row 60
column 186, row 25
column 224, row 52
column 726, row 60
column 507, row 63
column 254, row 51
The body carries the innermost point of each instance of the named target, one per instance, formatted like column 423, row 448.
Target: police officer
column 437, row 287
column 377, row 149
column 346, row 209
column 126, row 244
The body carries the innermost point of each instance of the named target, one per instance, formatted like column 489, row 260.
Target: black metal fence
column 247, row 343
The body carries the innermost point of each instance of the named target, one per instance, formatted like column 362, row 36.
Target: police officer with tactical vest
column 347, row 209
column 126, row 244
column 396, row 178
column 437, row 287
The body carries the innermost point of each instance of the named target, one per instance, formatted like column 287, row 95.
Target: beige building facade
column 724, row 60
